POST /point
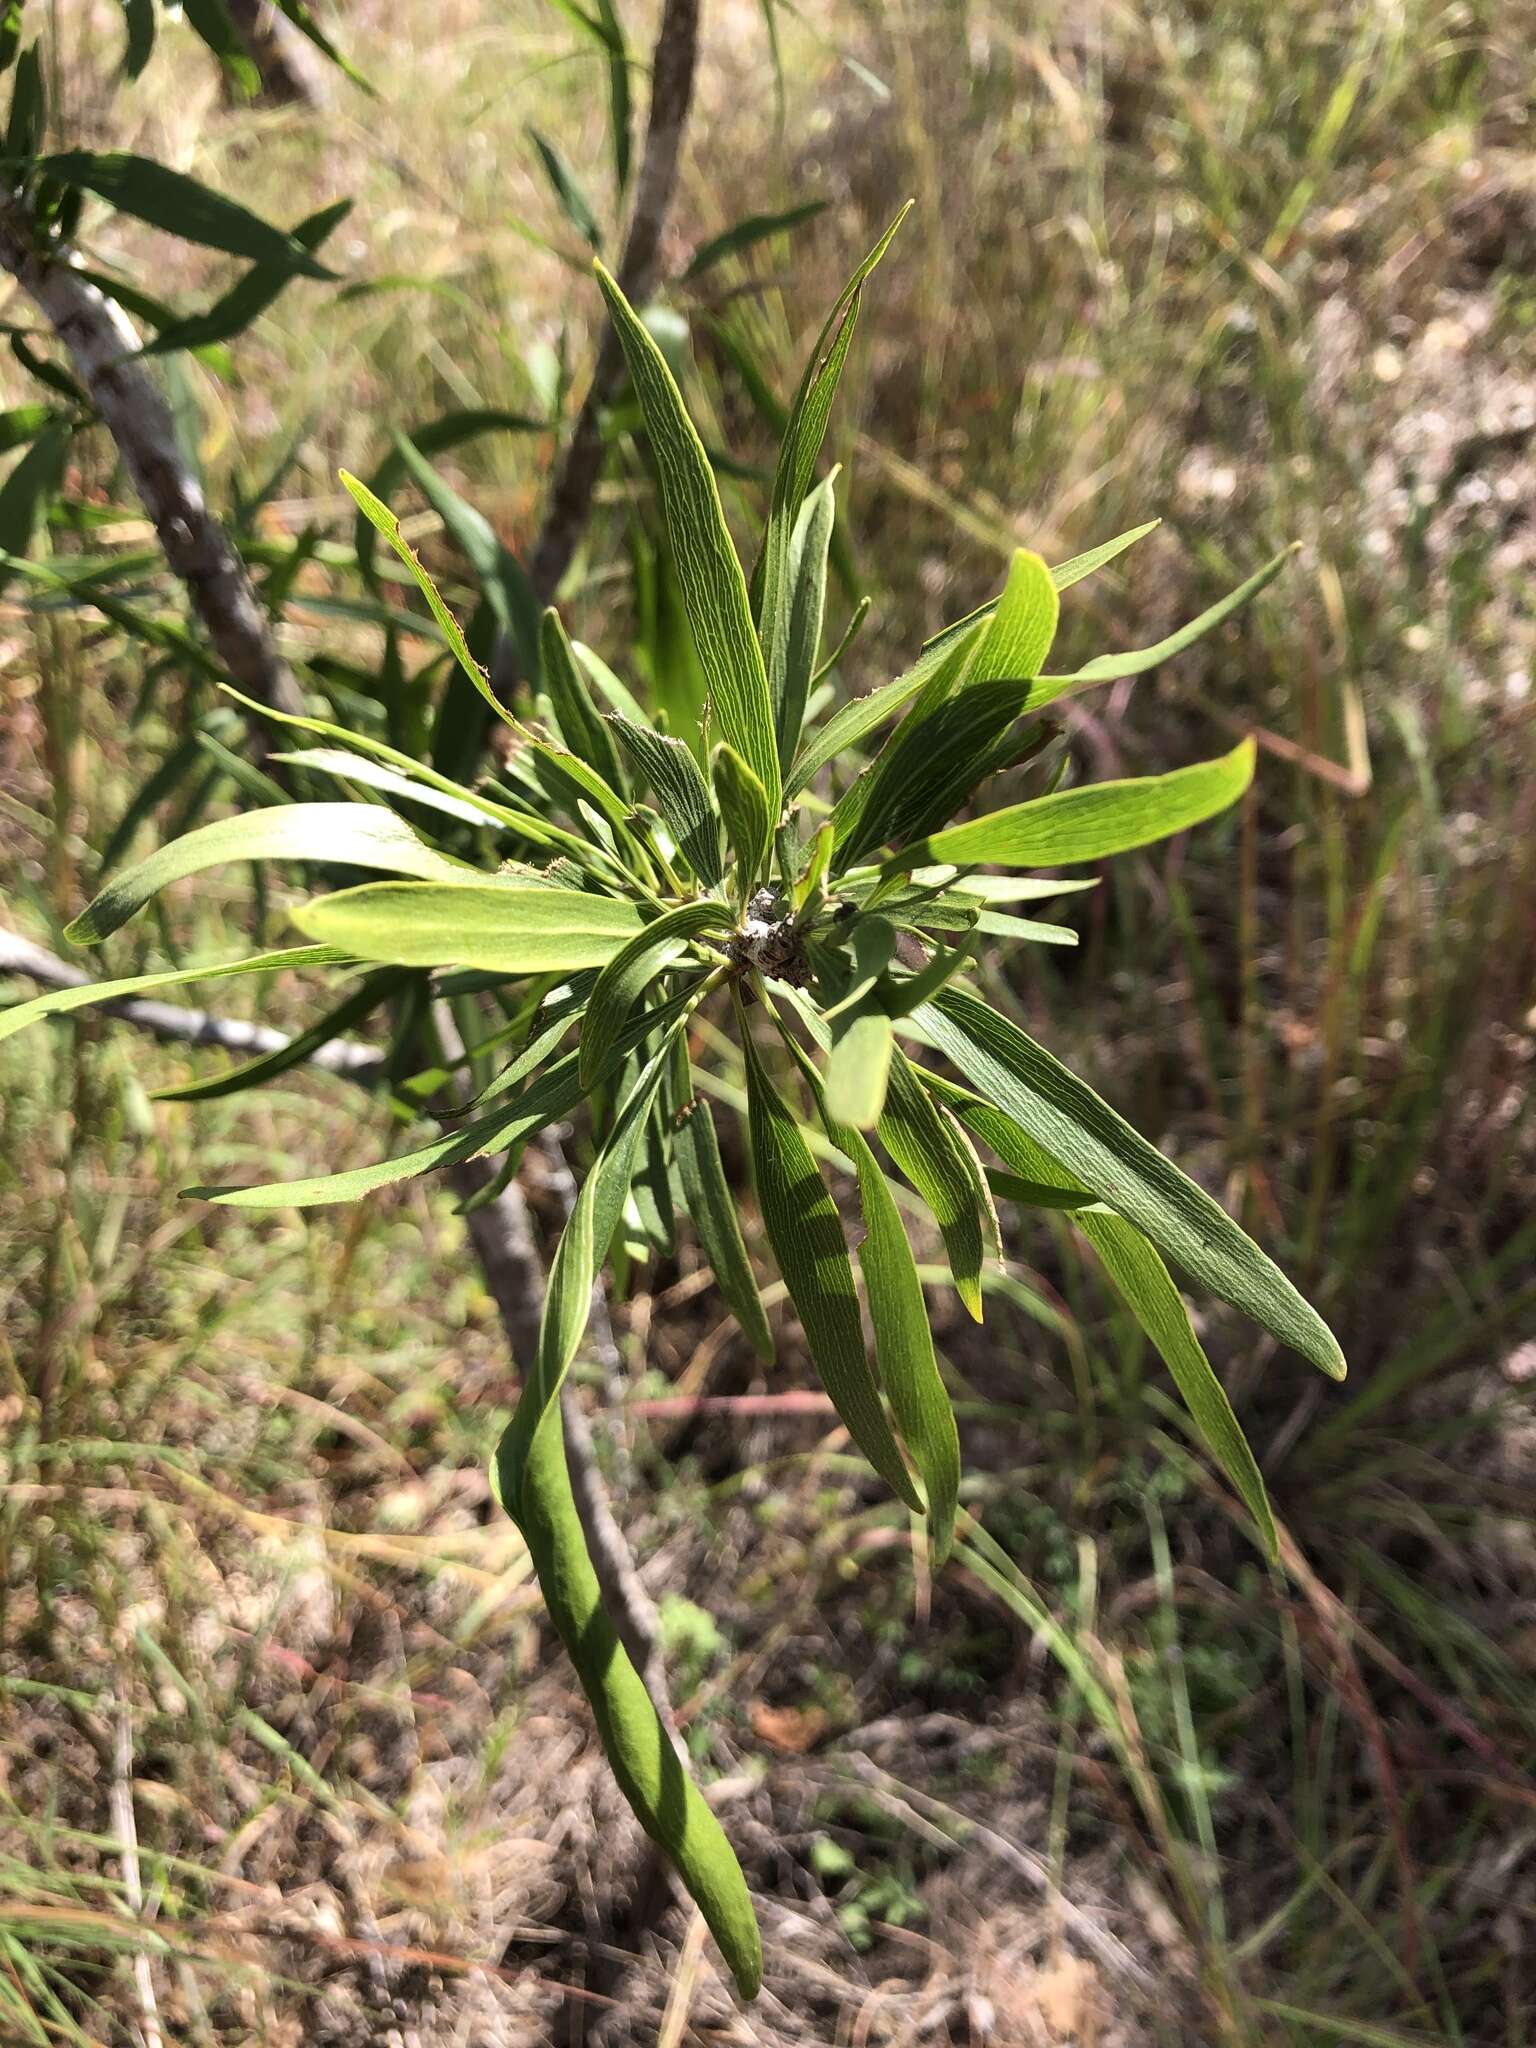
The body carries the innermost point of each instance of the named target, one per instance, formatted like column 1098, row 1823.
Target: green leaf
column 848, row 726
column 1099, row 1149
column 566, row 187
column 805, row 431
column 1019, row 634
column 28, row 111
column 792, row 640
column 712, row 1209
column 582, row 726
column 34, row 481
column 245, row 302
column 433, row 437
column 631, row 970
column 615, row 693
column 532, row 1481
column 370, row 774
column 930, row 1152
column 23, row 423
column 140, row 44
column 807, row 1238
column 340, row 835
column 1108, row 668
column 362, row 1002
column 499, row 573
column 927, row 769
column 748, row 820
column 681, row 793
column 60, row 1000
column 1091, row 823
column 554, row 1094
column 1144, row 1283
column 296, row 12
column 859, row 1067
column 210, row 20
column 714, row 590
column 1065, row 574
column 506, row 927
column 747, row 232
column 163, row 198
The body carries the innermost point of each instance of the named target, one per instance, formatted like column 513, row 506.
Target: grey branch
column 104, row 349
column 501, row 1231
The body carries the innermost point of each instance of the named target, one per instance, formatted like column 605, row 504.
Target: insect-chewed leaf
column 504, row 927
column 1144, row 1283
column 164, row 198
column 1099, row 1149
column 714, row 589
column 343, row 835
column 629, row 972
column 792, row 643
column 59, row 1001
column 582, row 726
column 1023, row 625
column 930, row 1152
column 712, row 1209
column 1093, row 822
column 681, row 793
column 807, row 1238
column 503, row 582
column 744, row 806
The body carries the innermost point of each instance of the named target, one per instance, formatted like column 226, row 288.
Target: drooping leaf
column 500, row 575
column 681, row 793
column 631, row 970
column 929, row 1151
column 245, row 302
column 505, row 927
column 340, row 835
column 1105, row 668
column 714, row 590
column 1098, row 1148
column 154, row 193
column 712, row 1208
column 361, row 1002
column 433, row 437
column 807, row 1238
column 1092, row 822
column 59, row 1001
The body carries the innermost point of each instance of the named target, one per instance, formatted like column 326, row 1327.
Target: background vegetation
column 1266, row 272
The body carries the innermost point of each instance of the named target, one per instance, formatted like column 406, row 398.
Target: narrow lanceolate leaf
column 746, row 233
column 533, row 1483
column 859, row 1067
column 793, row 638
column 1145, row 1285
column 928, row 768
column 582, row 726
column 380, row 516
column 807, row 1238
column 806, row 429
column 1093, row 822
column 1063, row 575
column 714, row 589
column 631, row 970
column 745, row 809
column 1107, row 668
column 681, row 793
column 1102, row 1151
column 565, row 185
column 61, row 1000
column 166, row 199
column 712, row 1209
column 246, row 301
column 362, row 1002
column 847, row 727
column 502, row 927
column 551, row 1095
column 371, row 774
column 1019, row 634
column 932, row 1155
column 501, row 577
column 341, row 835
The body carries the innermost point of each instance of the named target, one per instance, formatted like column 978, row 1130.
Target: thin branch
column 123, row 1826
column 570, row 498
column 104, row 349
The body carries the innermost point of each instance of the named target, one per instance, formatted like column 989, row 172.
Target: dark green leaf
column 793, row 640
column 154, row 193
column 930, row 1152
column 498, row 571
column 681, row 793
column 747, row 233
column 30, row 488
column 712, row 1210
column 362, row 1002
column 582, row 726
column 631, row 970
column 569, row 196
column 250, row 298
column 744, row 807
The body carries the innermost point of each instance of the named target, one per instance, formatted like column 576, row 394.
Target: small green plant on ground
column 831, row 898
